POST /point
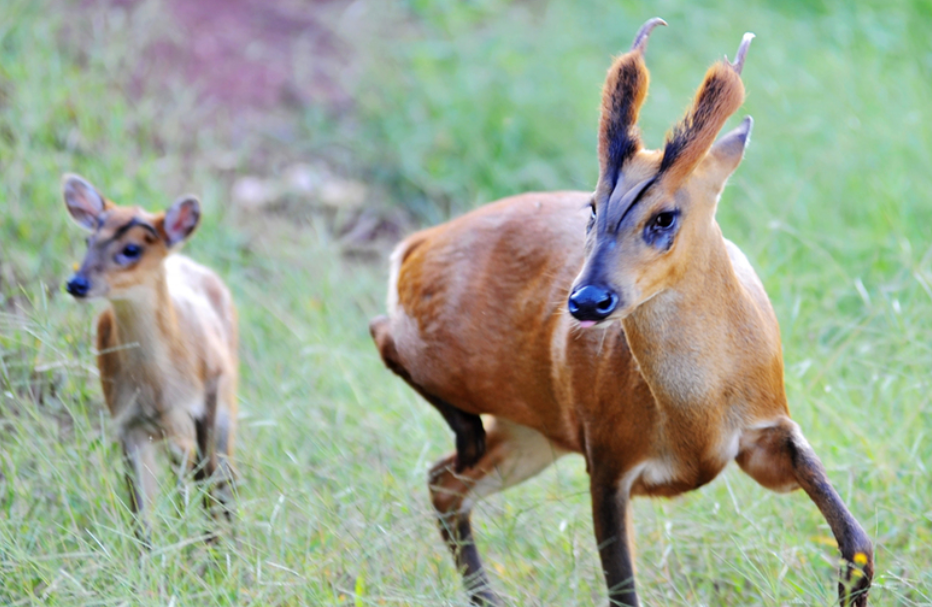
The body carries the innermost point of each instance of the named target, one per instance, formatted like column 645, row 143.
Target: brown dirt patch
column 251, row 55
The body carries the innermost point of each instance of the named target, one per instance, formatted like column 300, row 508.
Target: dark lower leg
column 470, row 435
column 610, row 511
column 225, row 476
column 448, row 491
column 515, row 453
column 856, row 548
column 781, row 450
column 457, row 533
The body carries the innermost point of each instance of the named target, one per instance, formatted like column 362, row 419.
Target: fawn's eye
column 128, row 254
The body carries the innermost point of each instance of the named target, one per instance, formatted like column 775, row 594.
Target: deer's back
column 203, row 305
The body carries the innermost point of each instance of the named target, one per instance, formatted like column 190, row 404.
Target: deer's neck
column 687, row 340
column 147, row 324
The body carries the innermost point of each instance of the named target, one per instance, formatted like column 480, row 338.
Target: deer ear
column 83, row 201
column 719, row 96
column 622, row 96
column 180, row 220
column 726, row 154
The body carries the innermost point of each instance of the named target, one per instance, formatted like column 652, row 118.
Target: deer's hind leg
column 515, row 453
column 214, row 445
column 470, row 434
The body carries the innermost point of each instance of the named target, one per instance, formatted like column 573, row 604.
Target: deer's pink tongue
column 585, row 324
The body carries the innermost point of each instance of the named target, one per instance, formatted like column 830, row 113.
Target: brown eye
column 592, row 210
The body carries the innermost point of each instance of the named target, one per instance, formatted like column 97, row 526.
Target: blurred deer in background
column 166, row 345
column 667, row 366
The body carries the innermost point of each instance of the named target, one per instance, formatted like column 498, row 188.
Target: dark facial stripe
column 134, row 222
column 622, row 201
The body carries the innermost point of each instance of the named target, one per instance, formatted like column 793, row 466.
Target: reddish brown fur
column 685, row 375
column 720, row 96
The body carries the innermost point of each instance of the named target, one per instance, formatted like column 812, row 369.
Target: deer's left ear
column 691, row 141
column 180, row 220
column 726, row 154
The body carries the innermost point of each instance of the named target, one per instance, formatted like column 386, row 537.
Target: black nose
column 592, row 303
column 78, row 286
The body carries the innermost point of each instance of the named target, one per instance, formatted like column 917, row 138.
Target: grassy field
column 467, row 102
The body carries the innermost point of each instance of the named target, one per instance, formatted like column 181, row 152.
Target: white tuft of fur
column 394, row 270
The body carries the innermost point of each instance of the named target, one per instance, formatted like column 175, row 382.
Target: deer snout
column 592, row 303
column 78, row 285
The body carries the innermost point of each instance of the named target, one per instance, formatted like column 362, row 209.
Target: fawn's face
column 127, row 245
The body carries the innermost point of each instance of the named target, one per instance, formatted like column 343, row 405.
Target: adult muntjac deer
column 166, row 345
column 682, row 374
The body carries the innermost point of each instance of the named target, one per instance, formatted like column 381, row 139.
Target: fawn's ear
column 84, row 202
column 180, row 220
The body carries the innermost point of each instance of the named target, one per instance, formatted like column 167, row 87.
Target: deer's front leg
column 610, row 499
column 139, row 458
column 779, row 457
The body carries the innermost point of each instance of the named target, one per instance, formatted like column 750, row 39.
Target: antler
column 738, row 64
column 640, row 40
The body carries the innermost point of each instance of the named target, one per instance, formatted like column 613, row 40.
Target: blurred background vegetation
column 317, row 134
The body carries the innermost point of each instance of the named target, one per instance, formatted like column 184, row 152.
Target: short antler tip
column 738, row 63
column 640, row 41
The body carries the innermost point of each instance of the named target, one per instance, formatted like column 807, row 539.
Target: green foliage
column 466, row 103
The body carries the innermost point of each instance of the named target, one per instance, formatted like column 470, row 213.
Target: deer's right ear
column 622, row 96
column 85, row 204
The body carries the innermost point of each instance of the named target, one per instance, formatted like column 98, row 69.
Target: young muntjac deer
column 681, row 374
column 166, row 345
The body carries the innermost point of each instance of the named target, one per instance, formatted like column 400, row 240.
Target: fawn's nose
column 591, row 302
column 78, row 286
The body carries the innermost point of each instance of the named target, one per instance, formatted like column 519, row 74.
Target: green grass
column 464, row 104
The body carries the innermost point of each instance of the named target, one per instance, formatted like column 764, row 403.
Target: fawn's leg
column 139, row 458
column 213, row 445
